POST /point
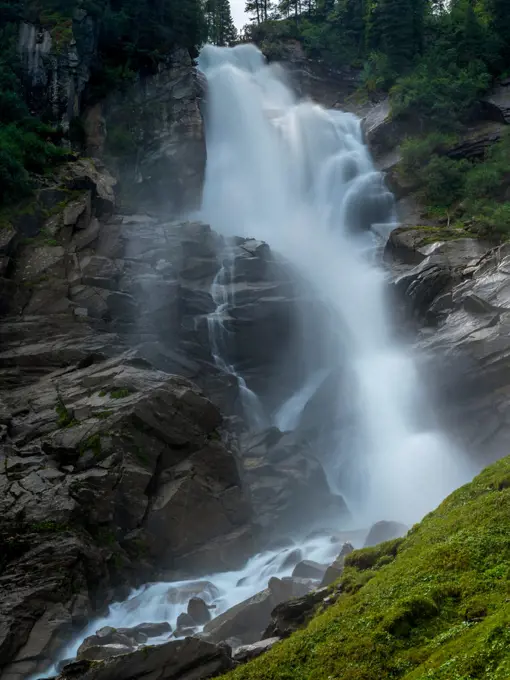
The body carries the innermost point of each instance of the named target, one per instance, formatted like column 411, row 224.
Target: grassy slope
column 439, row 609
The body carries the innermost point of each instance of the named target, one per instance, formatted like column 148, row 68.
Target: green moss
column 432, row 606
column 93, row 444
column 120, row 394
column 65, row 417
column 103, row 415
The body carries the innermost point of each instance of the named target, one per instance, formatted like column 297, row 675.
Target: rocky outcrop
column 385, row 531
column 442, row 265
column 189, row 659
column 289, row 616
column 247, row 620
column 287, row 482
column 107, row 471
column 57, row 57
column 460, row 289
column 153, row 137
column 311, row 77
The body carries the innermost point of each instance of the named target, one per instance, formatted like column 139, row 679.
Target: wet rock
column 247, row 652
column 444, row 264
column 164, row 109
column 286, row 480
column 184, row 620
column 232, row 643
column 292, row 559
column 191, row 658
column 184, row 632
column 247, row 619
column 309, row 569
column 335, row 570
column 498, row 101
column 182, row 594
column 102, row 652
column 287, row 617
column 199, row 611
column 385, row 531
column 97, row 442
column 151, row 630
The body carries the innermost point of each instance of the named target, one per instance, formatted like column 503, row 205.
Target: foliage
column 437, row 609
column 476, row 192
column 220, row 25
column 66, row 418
column 120, row 394
column 439, row 94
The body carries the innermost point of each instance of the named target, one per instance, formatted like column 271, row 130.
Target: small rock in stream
column 309, row 569
column 102, row 652
column 199, row 611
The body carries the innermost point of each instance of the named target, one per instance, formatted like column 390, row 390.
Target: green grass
column 65, row 417
column 432, row 606
column 120, row 394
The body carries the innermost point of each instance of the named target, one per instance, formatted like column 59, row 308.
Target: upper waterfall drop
column 299, row 177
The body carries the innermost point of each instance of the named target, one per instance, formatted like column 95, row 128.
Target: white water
column 159, row 602
column 287, row 417
column 300, row 178
column 223, row 298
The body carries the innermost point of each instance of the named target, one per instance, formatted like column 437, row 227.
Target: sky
column 237, row 7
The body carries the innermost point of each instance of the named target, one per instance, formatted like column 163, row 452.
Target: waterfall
column 252, row 408
column 301, row 178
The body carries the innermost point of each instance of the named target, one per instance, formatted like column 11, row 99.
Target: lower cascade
column 300, row 178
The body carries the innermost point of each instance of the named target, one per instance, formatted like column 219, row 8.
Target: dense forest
column 435, row 59
column 134, row 37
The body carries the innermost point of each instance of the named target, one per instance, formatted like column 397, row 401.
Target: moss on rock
column 432, row 606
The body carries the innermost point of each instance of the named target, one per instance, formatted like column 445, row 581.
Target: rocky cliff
column 147, row 127
column 125, row 456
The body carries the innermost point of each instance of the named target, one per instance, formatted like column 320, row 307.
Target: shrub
column 439, row 94
column 443, row 180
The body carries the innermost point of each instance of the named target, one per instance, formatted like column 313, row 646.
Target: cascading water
column 252, row 408
column 301, row 179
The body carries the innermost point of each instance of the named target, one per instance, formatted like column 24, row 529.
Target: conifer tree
column 220, row 25
column 500, row 11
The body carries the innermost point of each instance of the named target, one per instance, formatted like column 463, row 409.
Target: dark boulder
column 199, row 611
column 385, row 531
column 189, row 659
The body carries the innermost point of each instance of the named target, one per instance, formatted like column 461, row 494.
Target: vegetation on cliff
column 434, row 60
column 432, row 606
column 133, row 38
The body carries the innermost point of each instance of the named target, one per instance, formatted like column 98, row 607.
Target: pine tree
column 395, row 28
column 500, row 14
column 254, row 9
column 220, row 25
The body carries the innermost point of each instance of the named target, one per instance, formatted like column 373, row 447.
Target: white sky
column 237, row 7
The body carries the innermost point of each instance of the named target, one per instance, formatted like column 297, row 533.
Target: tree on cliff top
column 220, row 25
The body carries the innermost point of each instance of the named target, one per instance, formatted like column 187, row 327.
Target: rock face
column 439, row 265
column 57, row 59
column 312, row 78
column 156, row 127
column 115, row 467
column 287, row 481
column 151, row 136
column 189, row 659
column 106, row 471
column 460, row 288
column 385, row 531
